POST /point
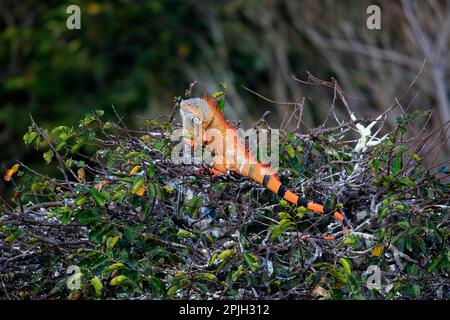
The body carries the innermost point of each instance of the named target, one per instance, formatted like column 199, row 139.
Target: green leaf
column 338, row 275
column 157, row 285
column 85, row 217
column 98, row 197
column 112, row 241
column 416, row 290
column 415, row 156
column 397, row 165
column 275, row 232
column 11, row 237
column 200, row 286
column 301, row 212
column 251, row 260
column 403, row 223
column 151, row 170
column 225, row 254
column 349, row 240
column 409, row 243
column 412, row 289
column 48, row 156
column 118, row 280
column 137, row 185
column 232, row 208
column 29, row 137
column 207, row 276
column 346, row 265
column 400, row 150
column 433, row 263
column 130, row 233
column 284, row 215
column 407, row 182
column 81, row 201
column 132, row 154
column 115, row 266
column 98, row 286
column 284, row 203
column 290, row 151
column 286, row 223
column 375, row 165
column 172, row 290
column 99, row 231
column 239, row 272
column 77, row 146
column 119, row 196
column 185, row 234
column 212, row 259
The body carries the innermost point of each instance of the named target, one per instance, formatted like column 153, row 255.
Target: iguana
column 200, row 116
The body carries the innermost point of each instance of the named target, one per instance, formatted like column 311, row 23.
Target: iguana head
column 195, row 111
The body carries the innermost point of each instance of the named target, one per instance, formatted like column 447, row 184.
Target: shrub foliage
column 123, row 221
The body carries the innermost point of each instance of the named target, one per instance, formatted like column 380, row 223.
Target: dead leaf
column 82, row 175
column 377, row 250
column 141, row 191
column 23, row 294
column 319, row 291
column 74, row 295
column 10, row 172
column 100, row 185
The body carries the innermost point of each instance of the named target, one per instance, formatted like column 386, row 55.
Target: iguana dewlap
column 201, row 116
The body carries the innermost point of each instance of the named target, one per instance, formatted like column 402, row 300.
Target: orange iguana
column 200, row 116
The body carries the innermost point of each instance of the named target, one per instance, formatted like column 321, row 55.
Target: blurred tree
column 126, row 54
column 280, row 38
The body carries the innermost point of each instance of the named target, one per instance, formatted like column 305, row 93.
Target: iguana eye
column 196, row 120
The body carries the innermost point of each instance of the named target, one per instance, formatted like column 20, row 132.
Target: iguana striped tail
column 266, row 176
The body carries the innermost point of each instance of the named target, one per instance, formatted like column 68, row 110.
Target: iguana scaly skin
column 201, row 115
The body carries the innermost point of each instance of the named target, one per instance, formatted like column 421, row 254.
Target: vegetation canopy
column 128, row 223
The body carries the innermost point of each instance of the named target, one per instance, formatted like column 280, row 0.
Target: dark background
column 139, row 55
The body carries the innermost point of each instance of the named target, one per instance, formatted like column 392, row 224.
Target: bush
column 126, row 222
